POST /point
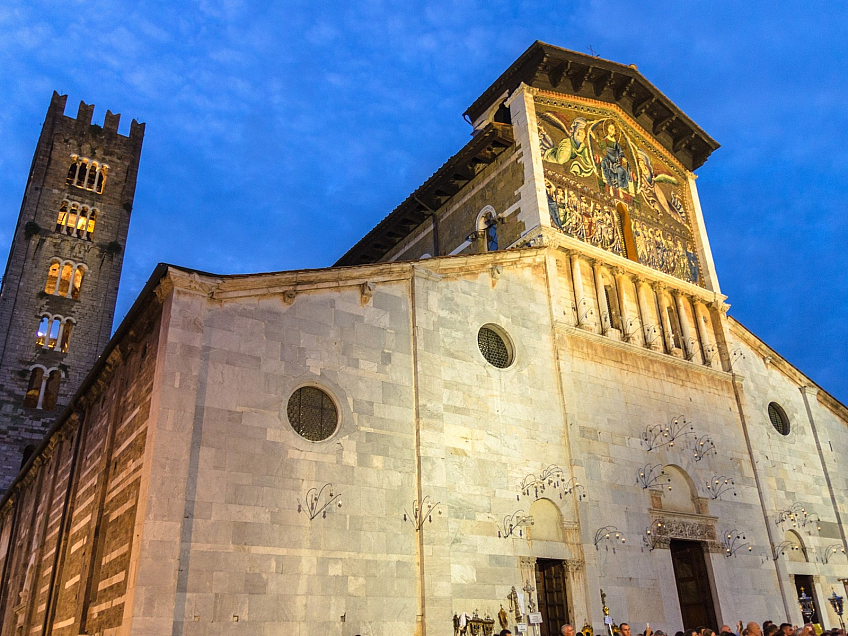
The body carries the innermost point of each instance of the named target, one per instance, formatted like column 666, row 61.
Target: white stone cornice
column 191, row 282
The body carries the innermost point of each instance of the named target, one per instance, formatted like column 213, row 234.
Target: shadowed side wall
column 66, row 528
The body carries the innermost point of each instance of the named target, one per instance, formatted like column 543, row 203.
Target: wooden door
column 693, row 584
column 552, row 595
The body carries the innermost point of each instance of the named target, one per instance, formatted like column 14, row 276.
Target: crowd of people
column 752, row 629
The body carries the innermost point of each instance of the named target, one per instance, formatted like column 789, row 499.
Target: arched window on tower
column 65, row 279
column 51, row 390
column 43, row 330
column 53, row 333
column 65, row 336
column 79, row 272
column 62, row 219
column 92, row 177
column 101, row 179
column 73, row 170
column 87, row 174
column 36, row 379
column 76, row 221
column 52, row 278
column 88, row 230
column 82, row 175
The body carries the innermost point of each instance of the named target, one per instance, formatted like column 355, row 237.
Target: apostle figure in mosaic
column 553, row 206
column 681, row 269
column 574, row 216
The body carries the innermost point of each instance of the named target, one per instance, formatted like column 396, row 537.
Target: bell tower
column 60, row 285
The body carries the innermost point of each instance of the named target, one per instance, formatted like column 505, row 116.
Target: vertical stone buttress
column 75, row 212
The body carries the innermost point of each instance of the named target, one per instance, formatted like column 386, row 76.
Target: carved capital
column 573, row 565
column 191, row 282
column 163, row 289
column 661, row 543
column 720, row 306
column 366, row 292
column 527, row 563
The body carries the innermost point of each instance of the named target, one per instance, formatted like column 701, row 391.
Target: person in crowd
column 625, row 629
column 505, row 632
column 566, row 630
column 787, row 630
column 753, row 629
column 771, row 629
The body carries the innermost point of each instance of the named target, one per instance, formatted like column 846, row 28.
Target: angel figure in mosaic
column 572, row 149
column 654, row 196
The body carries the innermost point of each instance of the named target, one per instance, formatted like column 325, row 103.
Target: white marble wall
column 223, row 548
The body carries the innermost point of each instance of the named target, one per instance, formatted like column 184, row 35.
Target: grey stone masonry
column 75, row 214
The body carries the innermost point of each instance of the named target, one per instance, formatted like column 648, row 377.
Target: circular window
column 494, row 348
column 312, row 413
column 778, row 418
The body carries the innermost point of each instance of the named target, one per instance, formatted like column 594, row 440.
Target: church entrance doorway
column 805, row 582
column 693, row 584
column 551, row 592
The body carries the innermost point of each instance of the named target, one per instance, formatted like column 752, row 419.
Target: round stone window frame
column 501, row 333
column 335, row 412
column 782, row 416
column 344, row 426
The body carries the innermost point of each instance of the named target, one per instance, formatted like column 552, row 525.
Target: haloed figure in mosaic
column 573, row 148
column 610, row 156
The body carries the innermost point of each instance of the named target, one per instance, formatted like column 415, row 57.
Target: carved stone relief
column 667, row 528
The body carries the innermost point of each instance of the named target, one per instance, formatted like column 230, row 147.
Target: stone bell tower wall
column 87, row 172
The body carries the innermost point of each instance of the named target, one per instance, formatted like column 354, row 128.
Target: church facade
column 519, row 398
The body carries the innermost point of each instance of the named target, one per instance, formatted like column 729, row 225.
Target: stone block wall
column 67, row 527
column 188, row 499
column 36, row 243
column 496, row 185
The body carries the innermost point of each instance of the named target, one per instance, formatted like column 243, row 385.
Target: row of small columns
column 585, row 309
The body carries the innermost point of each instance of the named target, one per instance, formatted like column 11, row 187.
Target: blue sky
column 278, row 133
